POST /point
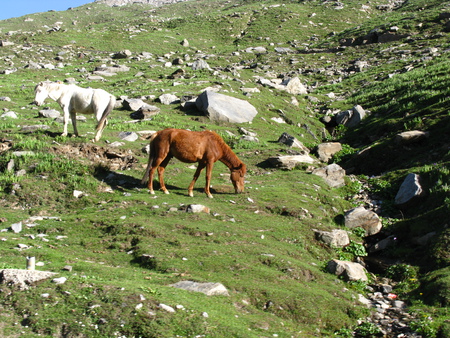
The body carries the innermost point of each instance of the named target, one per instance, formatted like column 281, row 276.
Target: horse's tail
column 150, row 159
column 101, row 123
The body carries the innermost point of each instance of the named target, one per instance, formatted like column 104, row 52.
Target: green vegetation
column 126, row 247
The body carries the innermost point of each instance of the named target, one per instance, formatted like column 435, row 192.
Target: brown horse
column 204, row 147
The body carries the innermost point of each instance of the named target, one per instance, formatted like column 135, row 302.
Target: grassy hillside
column 125, row 247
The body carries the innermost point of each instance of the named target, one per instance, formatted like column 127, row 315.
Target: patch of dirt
column 113, row 159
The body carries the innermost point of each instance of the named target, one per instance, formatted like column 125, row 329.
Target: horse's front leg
column 200, row 167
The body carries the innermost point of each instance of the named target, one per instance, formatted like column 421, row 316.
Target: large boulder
column 220, row 107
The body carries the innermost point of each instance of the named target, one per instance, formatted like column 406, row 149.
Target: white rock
column 59, row 280
column 166, row 307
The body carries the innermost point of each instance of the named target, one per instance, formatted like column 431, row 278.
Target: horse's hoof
column 210, row 196
column 152, row 192
column 166, row 192
column 191, row 194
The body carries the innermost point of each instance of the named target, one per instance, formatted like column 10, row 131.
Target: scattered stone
column 366, row 219
column 383, row 244
column 167, row 99
column 9, row 114
column 412, row 136
column 295, row 87
column 122, row 54
column 145, row 112
column 59, row 280
column 16, row 227
column 200, row 64
column 349, row 270
column 410, row 191
column 35, row 127
column 49, row 113
column 333, row 175
column 351, row 117
column 78, row 194
column 336, row 238
column 289, row 162
column 133, row 104
column 325, row 151
column 197, row 208
column 292, row 142
column 209, row 289
column 128, row 136
column 166, row 308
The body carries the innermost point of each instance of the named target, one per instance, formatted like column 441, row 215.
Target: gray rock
column 35, row 127
column 166, row 308
column 168, row 99
column 128, row 136
column 411, row 136
column 209, row 289
column 292, row 142
column 122, row 54
column 59, row 280
column 349, row 270
column 295, row 87
column 220, row 107
column 197, row 208
column 200, row 64
column 133, row 104
column 290, row 161
column 383, row 244
column 16, row 227
column 49, row 113
column 23, row 279
column 9, row 114
column 366, row 219
column 410, row 191
column 325, row 151
column 336, row 238
column 333, row 175
column 352, row 117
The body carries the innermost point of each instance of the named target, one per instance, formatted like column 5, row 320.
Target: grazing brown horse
column 204, row 147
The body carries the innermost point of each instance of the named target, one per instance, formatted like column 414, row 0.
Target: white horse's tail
column 108, row 109
column 150, row 160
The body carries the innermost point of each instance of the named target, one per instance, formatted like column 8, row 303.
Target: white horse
column 74, row 99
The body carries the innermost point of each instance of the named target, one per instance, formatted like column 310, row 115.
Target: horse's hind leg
column 66, row 120
column 73, row 117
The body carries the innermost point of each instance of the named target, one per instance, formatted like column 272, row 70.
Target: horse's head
column 237, row 177
column 40, row 94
